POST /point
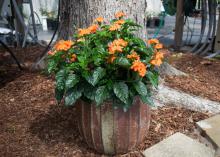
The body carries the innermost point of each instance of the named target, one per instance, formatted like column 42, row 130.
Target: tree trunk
column 80, row 14
column 66, row 19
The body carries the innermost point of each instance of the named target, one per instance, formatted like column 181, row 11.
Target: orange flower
column 111, row 59
column 114, row 27
column 157, row 60
column 158, row 46
column 120, row 42
column 159, row 55
column 117, row 46
column 114, row 48
column 73, row 58
column 119, row 22
column 119, row 14
column 99, row 19
column 93, row 28
column 153, row 41
column 83, row 32
column 63, row 45
column 139, row 67
column 51, row 53
column 133, row 55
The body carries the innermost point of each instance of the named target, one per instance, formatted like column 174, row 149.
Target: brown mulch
column 31, row 124
column 26, row 56
column 203, row 79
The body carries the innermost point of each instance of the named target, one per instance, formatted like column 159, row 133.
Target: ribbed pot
column 113, row 131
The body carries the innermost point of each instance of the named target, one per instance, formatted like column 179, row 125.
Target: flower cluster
column 157, row 59
column 106, row 61
column 99, row 19
column 134, row 56
column 139, row 67
column 118, row 24
column 119, row 14
column 63, row 45
column 117, row 46
column 89, row 30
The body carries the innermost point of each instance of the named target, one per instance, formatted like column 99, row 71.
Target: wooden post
column 217, row 39
column 179, row 25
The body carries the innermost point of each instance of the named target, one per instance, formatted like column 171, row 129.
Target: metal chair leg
column 11, row 53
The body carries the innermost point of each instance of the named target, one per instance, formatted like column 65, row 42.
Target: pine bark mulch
column 203, row 79
column 31, row 124
column 26, row 56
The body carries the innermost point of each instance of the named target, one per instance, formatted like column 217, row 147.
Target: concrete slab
column 179, row 145
column 211, row 128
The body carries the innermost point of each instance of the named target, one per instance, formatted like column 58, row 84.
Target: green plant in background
column 170, row 6
column 106, row 62
column 50, row 14
column 150, row 15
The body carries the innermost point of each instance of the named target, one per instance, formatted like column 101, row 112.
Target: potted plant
column 108, row 73
column 51, row 18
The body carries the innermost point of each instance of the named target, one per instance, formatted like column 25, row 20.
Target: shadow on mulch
column 9, row 71
column 59, row 125
column 8, row 74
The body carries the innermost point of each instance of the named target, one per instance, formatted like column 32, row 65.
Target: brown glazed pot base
column 113, row 131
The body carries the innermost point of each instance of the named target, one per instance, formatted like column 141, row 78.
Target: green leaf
column 89, row 92
column 71, row 81
column 123, row 62
column 97, row 75
column 72, row 95
column 102, row 93
column 140, row 88
column 147, row 100
column 59, row 95
column 51, row 65
column 140, row 45
column 153, row 77
column 128, row 104
column 60, row 79
column 121, row 91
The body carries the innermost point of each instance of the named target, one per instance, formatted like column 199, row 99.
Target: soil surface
column 203, row 79
column 31, row 124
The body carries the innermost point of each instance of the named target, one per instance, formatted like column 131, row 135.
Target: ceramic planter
column 113, row 131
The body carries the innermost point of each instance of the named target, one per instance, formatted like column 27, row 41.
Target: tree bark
column 66, row 19
column 80, row 14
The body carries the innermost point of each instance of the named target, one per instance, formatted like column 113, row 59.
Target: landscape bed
column 31, row 124
column 203, row 75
